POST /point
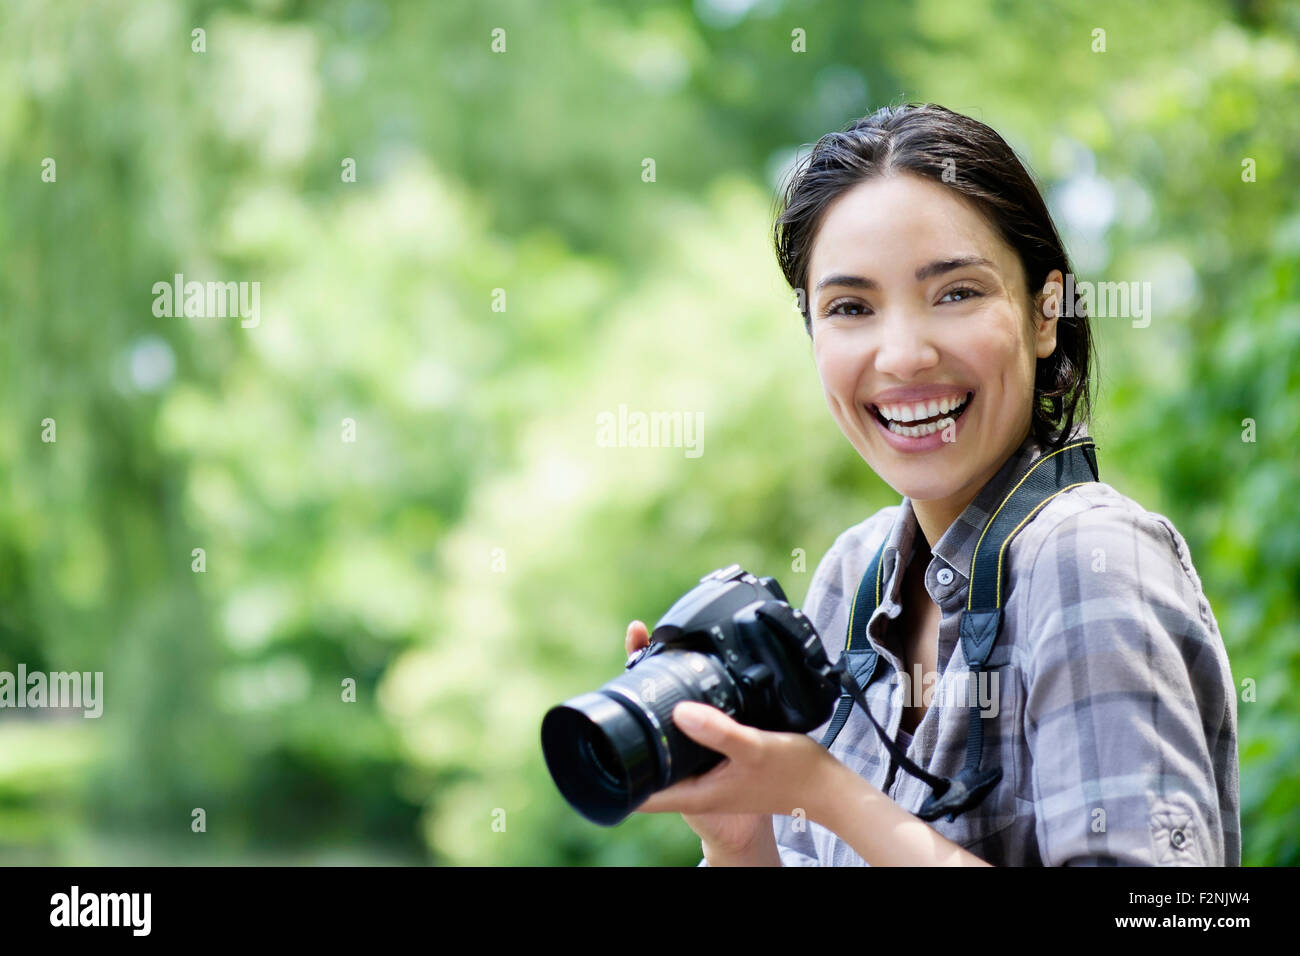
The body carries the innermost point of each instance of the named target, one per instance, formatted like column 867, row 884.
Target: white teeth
column 919, row 431
column 897, row 414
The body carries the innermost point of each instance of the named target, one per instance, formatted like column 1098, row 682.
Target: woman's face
column 920, row 317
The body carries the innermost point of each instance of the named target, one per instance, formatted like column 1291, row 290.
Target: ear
column 1046, row 313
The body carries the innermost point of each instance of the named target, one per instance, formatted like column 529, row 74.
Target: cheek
column 997, row 350
column 838, row 371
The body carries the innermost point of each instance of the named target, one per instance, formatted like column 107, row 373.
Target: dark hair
column 931, row 141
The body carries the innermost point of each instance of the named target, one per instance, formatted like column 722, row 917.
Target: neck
column 937, row 515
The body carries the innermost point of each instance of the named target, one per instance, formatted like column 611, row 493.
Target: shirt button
column 1177, row 838
column 945, row 576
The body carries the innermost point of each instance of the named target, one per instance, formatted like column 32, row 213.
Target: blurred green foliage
column 474, row 556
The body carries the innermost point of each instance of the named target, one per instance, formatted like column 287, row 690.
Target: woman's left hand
column 762, row 771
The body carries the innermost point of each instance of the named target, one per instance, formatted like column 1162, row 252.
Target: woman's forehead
column 901, row 224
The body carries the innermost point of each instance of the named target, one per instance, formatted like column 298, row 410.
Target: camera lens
column 600, row 756
column 608, row 751
column 598, row 753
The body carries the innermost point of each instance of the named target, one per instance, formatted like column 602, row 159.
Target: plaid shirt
column 1116, row 716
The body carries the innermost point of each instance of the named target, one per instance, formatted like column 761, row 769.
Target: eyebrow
column 938, row 267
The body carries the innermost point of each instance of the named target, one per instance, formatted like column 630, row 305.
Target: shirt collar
column 957, row 545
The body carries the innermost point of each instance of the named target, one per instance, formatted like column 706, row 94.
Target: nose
column 905, row 347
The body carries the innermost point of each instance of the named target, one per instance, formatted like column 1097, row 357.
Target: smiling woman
column 935, row 277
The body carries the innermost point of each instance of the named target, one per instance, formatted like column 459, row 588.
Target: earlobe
column 1047, row 339
column 1046, row 344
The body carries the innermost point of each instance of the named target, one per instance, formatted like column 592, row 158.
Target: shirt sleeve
column 1127, row 675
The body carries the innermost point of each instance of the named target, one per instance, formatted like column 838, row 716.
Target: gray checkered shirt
column 1116, row 716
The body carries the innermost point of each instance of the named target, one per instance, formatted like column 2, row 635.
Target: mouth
column 919, row 419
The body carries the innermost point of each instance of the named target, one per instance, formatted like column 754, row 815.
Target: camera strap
column 1048, row 476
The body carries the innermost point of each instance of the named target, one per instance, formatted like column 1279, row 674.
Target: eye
column 971, row 291
column 834, row 307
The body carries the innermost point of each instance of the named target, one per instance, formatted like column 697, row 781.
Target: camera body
column 774, row 673
column 733, row 642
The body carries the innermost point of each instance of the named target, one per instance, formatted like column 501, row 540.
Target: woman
column 934, row 277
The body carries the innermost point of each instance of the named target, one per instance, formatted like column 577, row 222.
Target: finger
column 685, row 796
column 661, row 802
column 711, row 727
column 637, row 637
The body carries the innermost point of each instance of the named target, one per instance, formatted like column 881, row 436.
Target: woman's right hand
column 730, row 835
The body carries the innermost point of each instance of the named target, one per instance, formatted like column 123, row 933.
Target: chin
column 921, row 488
column 920, row 481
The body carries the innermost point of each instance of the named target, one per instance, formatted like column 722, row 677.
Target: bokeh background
column 475, row 554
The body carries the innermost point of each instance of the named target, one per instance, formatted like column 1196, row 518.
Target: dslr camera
column 733, row 642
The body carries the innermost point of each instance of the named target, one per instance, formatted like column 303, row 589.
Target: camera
column 733, row 642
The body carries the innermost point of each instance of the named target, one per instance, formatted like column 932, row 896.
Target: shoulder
column 1094, row 555
column 1098, row 523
